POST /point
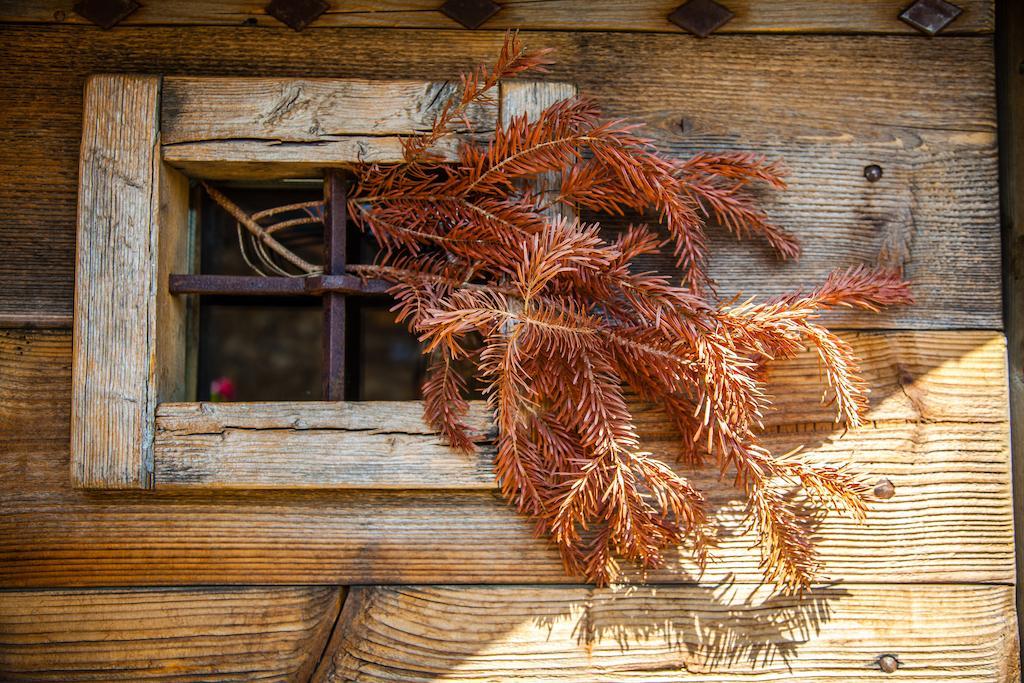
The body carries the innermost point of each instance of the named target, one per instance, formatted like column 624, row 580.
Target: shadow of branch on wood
column 706, row 628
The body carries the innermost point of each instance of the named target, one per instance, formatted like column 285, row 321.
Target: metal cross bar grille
column 334, row 285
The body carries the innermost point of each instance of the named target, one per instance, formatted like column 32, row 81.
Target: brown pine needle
column 569, row 327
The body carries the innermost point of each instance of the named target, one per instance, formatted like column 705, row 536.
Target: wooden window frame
column 143, row 138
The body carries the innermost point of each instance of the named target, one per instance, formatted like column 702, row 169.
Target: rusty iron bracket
column 297, row 14
column 930, row 16
column 470, row 13
column 701, row 17
column 105, row 13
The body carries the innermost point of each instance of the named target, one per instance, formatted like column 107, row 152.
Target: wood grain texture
column 828, row 106
column 692, row 633
column 236, row 634
column 367, row 445
column 386, row 445
column 531, row 97
column 275, row 127
column 175, row 254
column 305, row 110
column 949, row 520
column 113, row 392
column 804, row 16
column 402, row 454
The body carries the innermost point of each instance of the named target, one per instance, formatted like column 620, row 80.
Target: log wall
column 449, row 583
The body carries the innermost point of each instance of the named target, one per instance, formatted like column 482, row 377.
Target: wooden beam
column 253, row 128
column 792, row 16
column 948, row 521
column 166, row 634
column 305, row 109
column 673, row 633
column 962, row 533
column 286, row 451
column 132, row 222
column 829, row 106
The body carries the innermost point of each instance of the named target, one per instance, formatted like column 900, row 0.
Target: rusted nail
column 930, row 16
column 888, row 663
column 700, row 17
column 884, row 489
column 470, row 13
column 873, row 173
column 60, row 15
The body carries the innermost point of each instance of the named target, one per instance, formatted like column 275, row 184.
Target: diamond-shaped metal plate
column 700, row 17
column 105, row 13
column 470, row 13
column 297, row 14
column 930, row 16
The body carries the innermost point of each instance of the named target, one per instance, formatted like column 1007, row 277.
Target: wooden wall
column 450, row 584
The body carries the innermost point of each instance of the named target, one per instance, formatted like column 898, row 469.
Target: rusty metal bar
column 256, row 285
column 335, row 248
column 232, row 285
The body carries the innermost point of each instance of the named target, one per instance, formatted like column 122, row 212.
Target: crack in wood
column 330, row 634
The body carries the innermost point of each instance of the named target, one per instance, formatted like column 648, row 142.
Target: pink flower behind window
column 222, row 389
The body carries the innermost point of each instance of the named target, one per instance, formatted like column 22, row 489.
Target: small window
column 152, row 253
column 254, row 347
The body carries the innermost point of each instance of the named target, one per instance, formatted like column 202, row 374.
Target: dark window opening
column 261, row 348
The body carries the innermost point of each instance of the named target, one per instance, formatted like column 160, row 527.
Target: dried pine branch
column 568, row 327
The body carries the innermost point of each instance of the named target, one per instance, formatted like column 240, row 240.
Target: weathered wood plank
column 923, row 110
column 386, row 445
column 305, row 110
column 949, row 520
column 693, row 633
column 117, row 287
column 806, row 16
column 368, row 445
column 133, row 229
column 531, row 97
column 402, row 454
column 270, row 128
column 445, row 537
column 238, row 634
column 282, row 127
